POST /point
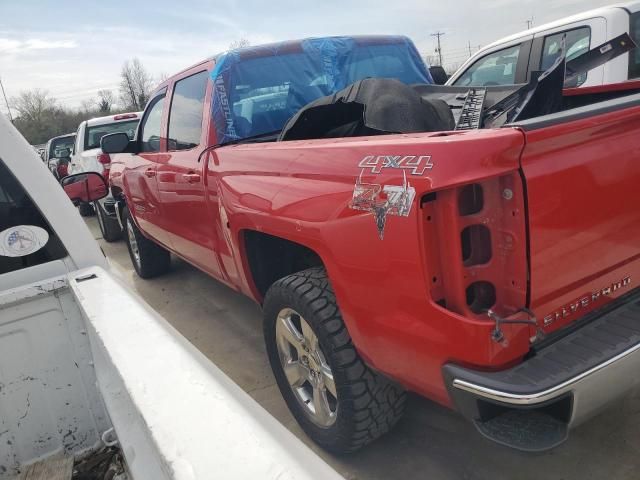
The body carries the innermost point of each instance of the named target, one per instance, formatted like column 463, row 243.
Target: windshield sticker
column 22, row 240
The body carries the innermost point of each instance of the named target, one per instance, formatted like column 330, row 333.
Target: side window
column 26, row 239
column 578, row 41
column 185, row 115
column 151, row 125
column 497, row 68
column 634, row 55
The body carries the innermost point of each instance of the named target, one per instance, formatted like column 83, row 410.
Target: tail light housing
column 475, row 246
column 105, row 160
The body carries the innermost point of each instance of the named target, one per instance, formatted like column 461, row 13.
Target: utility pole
column 6, row 101
column 529, row 23
column 439, row 49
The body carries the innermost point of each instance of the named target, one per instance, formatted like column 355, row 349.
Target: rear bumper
column 532, row 406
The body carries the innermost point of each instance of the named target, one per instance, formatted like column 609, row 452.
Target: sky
column 72, row 48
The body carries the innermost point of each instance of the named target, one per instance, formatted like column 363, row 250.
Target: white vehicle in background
column 90, row 372
column 512, row 59
column 88, row 157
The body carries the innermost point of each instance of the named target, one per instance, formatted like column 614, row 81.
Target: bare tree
column 33, row 104
column 432, row 60
column 106, row 99
column 240, row 43
column 87, row 106
column 135, row 85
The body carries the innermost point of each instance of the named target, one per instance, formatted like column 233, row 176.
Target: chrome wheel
column 306, row 367
column 133, row 243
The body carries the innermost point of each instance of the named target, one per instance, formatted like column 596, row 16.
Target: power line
column 439, row 49
column 6, row 101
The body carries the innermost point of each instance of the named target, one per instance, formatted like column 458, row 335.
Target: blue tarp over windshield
column 257, row 89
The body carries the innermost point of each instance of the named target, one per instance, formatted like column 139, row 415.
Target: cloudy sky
column 74, row 48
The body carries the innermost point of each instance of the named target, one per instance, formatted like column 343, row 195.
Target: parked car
column 59, row 165
column 87, row 157
column 55, row 145
column 401, row 235
column 92, row 374
column 512, row 59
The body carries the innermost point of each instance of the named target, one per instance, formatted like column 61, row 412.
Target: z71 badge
column 383, row 200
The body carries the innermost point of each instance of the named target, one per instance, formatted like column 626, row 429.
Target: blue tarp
column 257, row 89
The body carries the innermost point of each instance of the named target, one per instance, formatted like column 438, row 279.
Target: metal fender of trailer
column 178, row 416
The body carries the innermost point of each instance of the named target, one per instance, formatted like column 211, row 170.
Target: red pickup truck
column 478, row 246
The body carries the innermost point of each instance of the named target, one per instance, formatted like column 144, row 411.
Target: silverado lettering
column 585, row 301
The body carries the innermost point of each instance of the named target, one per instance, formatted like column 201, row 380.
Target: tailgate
column 582, row 176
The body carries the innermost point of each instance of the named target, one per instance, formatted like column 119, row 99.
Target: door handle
column 191, row 177
column 150, row 173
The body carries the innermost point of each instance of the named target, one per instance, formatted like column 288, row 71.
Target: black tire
column 368, row 404
column 85, row 209
column 109, row 226
column 152, row 259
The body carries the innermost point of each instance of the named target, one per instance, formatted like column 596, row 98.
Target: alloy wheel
column 306, row 368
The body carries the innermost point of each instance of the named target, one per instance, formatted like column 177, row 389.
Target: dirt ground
column 429, row 442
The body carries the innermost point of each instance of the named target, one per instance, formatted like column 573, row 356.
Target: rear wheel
column 149, row 259
column 85, row 209
column 109, row 226
column 338, row 401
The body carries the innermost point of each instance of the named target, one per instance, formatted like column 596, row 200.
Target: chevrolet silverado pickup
column 93, row 381
column 478, row 246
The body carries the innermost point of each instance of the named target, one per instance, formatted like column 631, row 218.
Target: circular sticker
column 22, row 240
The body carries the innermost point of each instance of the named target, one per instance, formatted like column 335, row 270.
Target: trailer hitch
column 497, row 335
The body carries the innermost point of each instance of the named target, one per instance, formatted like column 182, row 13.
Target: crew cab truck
column 87, row 366
column 514, row 58
column 87, row 157
column 476, row 246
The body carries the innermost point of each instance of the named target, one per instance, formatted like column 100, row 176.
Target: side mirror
column 116, row 143
column 438, row 74
column 85, row 187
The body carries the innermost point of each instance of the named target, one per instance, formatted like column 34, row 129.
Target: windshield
column 95, row 133
column 59, row 144
column 257, row 90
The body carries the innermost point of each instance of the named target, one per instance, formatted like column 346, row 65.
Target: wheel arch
column 269, row 258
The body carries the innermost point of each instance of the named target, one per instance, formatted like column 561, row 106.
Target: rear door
column 582, row 171
column 140, row 174
column 580, row 38
column 181, row 178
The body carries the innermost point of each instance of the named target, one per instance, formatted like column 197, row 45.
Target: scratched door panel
column 44, row 397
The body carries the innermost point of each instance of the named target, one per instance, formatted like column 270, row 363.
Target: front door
column 181, row 178
column 142, row 170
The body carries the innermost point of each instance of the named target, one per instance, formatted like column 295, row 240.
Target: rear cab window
column 634, row 55
column 94, row 133
column 496, row 68
column 26, row 238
